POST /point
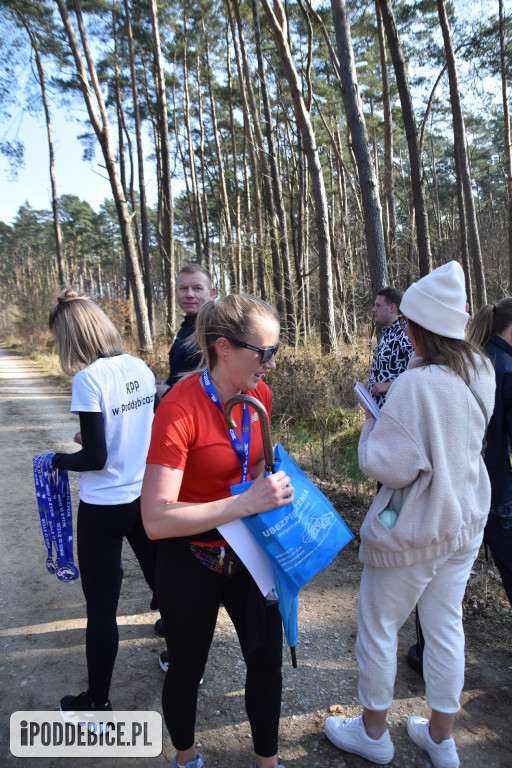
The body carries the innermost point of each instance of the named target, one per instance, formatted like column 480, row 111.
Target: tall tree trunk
column 165, row 197
column 336, row 143
column 277, row 274
column 463, row 233
column 196, row 199
column 459, row 134
column 101, row 127
column 59, row 256
column 148, row 283
column 388, row 186
column 250, row 144
column 277, row 20
column 189, row 191
column 435, row 199
column 260, row 283
column 374, row 232
column 226, row 214
column 204, row 195
column 506, row 128
column 119, row 111
column 409, row 118
column 296, row 226
column 291, row 321
column 236, row 185
column 124, row 134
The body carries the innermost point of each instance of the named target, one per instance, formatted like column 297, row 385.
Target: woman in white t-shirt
column 113, row 394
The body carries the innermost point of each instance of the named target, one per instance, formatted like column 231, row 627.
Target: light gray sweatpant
column 387, row 597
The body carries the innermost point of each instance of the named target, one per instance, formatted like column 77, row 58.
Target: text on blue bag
column 303, row 538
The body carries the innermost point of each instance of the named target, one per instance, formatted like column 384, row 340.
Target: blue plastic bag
column 302, row 538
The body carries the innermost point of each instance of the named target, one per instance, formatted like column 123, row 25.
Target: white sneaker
column 163, row 660
column 349, row 734
column 443, row 755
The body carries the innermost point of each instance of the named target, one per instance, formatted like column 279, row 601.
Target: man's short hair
column 195, row 267
column 391, row 295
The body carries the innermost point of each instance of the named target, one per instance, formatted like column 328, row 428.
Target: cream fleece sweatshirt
column 425, row 449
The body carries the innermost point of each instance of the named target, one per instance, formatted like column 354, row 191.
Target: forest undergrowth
column 317, row 419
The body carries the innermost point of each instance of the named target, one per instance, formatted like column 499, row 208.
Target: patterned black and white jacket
column 390, row 358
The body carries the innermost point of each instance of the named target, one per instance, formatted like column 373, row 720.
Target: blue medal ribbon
column 55, row 514
column 241, row 448
column 45, row 521
column 68, row 571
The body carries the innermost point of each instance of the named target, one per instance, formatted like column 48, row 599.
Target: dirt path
column 42, row 633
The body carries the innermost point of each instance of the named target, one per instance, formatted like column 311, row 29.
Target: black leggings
column 100, row 533
column 189, row 595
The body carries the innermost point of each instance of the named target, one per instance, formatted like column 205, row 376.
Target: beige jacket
column 425, row 449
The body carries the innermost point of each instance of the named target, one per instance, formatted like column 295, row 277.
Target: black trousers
column 189, row 595
column 498, row 537
column 100, row 533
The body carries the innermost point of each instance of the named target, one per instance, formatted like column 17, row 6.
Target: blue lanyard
column 54, row 505
column 45, row 521
column 241, row 449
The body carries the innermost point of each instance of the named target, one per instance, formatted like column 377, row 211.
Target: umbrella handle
column 268, row 449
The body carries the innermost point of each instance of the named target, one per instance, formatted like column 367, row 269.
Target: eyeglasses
column 266, row 354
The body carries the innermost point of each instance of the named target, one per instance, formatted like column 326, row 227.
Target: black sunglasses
column 266, row 354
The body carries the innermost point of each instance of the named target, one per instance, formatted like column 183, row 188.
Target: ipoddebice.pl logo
column 106, row 734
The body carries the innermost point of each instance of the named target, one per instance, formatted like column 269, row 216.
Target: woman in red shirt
column 193, row 460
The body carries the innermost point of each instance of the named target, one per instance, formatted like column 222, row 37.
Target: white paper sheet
column 367, row 399
column 249, row 551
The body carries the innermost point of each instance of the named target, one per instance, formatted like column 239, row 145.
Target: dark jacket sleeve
column 506, row 390
column 93, row 455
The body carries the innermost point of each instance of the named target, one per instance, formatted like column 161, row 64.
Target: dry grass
column 38, row 346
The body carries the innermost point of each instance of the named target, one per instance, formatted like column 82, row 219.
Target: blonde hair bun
column 69, row 295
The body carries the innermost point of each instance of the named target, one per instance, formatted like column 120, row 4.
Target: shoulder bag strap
column 480, row 403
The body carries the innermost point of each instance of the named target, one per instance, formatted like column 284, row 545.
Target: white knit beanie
column 437, row 302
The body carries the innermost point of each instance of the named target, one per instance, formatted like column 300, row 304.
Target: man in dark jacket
column 193, row 289
column 392, row 353
column 498, row 531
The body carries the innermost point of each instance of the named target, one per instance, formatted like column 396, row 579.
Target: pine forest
column 304, row 151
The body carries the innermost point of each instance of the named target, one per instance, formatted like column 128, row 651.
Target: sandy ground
column 43, row 620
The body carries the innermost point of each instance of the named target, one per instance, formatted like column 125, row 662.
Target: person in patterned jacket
column 392, row 353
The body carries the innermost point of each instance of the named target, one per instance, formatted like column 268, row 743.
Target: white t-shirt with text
column 122, row 388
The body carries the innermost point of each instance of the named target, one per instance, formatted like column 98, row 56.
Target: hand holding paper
column 366, row 399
